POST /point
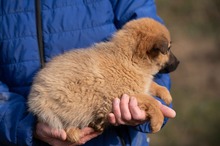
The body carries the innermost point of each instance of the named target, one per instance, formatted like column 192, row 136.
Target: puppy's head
column 152, row 45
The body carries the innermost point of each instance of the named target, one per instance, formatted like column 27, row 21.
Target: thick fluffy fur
column 76, row 89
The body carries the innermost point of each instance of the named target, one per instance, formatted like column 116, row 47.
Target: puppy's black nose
column 169, row 68
column 171, row 65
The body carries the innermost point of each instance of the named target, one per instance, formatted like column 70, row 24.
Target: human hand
column 56, row 137
column 127, row 112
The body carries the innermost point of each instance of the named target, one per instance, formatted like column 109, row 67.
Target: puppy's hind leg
column 160, row 91
column 43, row 111
column 97, row 124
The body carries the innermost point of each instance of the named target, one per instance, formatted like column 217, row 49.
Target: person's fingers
column 87, row 134
column 111, row 119
column 60, row 134
column 136, row 113
column 124, row 106
column 87, row 137
column 51, row 136
column 167, row 112
column 42, row 130
column 58, row 137
column 54, row 142
column 86, row 131
column 45, row 130
column 117, row 111
column 63, row 135
column 126, row 111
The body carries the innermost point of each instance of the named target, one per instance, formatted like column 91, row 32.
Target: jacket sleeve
column 16, row 123
column 126, row 10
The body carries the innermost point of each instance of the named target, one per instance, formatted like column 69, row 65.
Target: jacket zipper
column 39, row 32
column 120, row 136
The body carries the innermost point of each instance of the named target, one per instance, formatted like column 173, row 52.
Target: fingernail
column 125, row 96
column 132, row 98
column 174, row 114
column 159, row 102
column 116, row 101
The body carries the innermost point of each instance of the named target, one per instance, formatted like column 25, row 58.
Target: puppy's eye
column 169, row 47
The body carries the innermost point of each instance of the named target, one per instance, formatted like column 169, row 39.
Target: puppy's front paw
column 152, row 110
column 156, row 117
column 164, row 94
column 160, row 91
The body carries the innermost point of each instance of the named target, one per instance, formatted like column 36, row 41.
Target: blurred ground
column 195, row 31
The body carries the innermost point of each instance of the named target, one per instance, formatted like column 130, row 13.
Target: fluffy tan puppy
column 76, row 89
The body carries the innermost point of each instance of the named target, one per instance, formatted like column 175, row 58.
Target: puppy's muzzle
column 171, row 65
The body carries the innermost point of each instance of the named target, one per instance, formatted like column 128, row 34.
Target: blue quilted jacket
column 57, row 26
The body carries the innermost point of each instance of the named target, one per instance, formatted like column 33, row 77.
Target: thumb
column 60, row 134
column 167, row 111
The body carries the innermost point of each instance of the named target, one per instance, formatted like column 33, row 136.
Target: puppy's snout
column 171, row 65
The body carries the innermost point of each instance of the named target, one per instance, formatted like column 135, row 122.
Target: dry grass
column 194, row 27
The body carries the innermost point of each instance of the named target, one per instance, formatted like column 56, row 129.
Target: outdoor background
column 195, row 31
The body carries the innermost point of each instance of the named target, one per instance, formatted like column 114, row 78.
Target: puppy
column 76, row 89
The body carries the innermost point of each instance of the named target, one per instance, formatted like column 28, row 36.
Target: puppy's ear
column 151, row 45
column 159, row 45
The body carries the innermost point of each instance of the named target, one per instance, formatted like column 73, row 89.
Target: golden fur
column 76, row 89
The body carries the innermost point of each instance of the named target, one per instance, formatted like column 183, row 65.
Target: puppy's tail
column 38, row 104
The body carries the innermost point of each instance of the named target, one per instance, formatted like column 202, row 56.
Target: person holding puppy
column 33, row 32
